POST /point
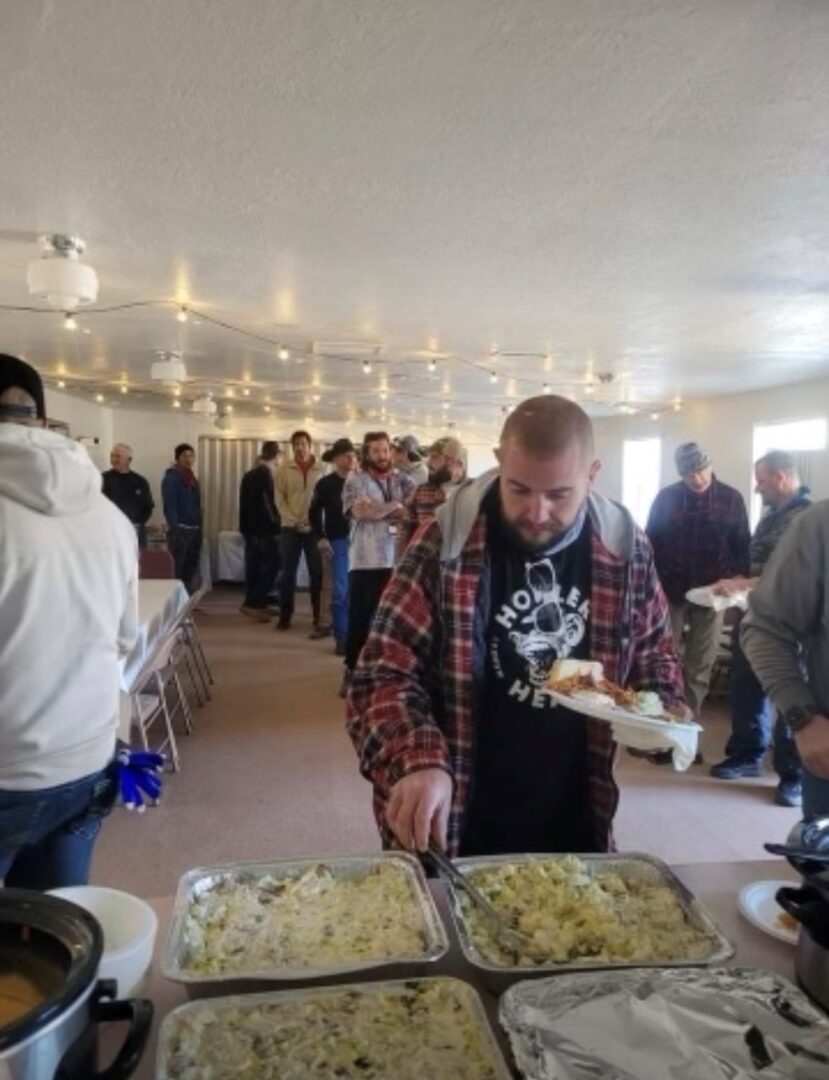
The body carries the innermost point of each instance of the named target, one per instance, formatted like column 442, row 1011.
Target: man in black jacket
column 259, row 524
column 331, row 529
column 128, row 490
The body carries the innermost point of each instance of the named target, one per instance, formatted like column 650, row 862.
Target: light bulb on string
column 366, row 367
column 99, row 398
column 246, row 392
column 176, row 403
column 125, row 389
column 267, row 408
column 493, row 377
column 69, row 322
column 182, row 313
column 546, row 388
column 654, row 416
column 61, row 384
column 432, row 368
column 283, row 354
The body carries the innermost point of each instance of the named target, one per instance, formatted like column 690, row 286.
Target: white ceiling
column 637, row 187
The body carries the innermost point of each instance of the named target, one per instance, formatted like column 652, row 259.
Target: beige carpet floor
column 270, row 771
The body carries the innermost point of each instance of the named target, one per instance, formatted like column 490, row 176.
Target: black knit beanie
column 17, row 375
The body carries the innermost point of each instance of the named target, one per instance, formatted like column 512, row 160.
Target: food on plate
column 422, row 1029
column 572, row 913
column 313, row 920
column 787, row 922
column 583, row 680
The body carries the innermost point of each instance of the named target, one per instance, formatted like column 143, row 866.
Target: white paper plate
column 757, row 904
column 614, row 715
column 706, row 597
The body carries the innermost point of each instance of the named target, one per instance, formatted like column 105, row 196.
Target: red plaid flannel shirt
column 411, row 702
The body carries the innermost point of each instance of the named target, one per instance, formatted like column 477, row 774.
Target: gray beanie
column 690, row 458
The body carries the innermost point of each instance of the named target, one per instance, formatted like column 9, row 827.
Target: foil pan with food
column 673, row 1024
column 301, row 920
column 583, row 912
column 413, row 1030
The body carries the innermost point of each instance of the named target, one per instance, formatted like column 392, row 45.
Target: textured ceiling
column 637, row 187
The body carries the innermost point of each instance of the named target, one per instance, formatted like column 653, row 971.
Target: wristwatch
column 796, row 718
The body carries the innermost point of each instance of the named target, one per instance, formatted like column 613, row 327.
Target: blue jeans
column 751, row 721
column 47, row 836
column 339, row 589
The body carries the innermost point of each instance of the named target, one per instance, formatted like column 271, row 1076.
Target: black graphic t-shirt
column 529, row 790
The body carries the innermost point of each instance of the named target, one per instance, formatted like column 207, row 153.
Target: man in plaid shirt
column 448, row 708
column 447, row 466
column 699, row 531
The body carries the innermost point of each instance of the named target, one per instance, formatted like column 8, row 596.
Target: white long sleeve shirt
column 68, row 610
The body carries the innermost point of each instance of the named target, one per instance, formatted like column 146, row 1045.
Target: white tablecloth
column 230, row 556
column 159, row 602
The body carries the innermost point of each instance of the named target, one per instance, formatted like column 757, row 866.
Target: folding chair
column 150, row 701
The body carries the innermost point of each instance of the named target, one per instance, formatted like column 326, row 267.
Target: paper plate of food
column 640, row 718
column 707, row 597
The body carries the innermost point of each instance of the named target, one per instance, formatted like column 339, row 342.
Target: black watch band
column 797, row 717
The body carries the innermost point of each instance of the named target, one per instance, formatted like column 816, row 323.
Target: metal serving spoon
column 512, row 940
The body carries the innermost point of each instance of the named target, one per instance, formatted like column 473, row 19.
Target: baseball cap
column 409, row 445
column 17, row 375
column 341, row 446
column 450, row 447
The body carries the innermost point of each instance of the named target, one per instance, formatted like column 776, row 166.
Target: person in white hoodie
column 68, row 611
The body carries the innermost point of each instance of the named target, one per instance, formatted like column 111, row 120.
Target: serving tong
column 513, row 941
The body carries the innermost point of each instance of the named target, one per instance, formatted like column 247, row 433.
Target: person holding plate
column 448, row 707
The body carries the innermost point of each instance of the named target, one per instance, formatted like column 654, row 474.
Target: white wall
column 723, row 426
column 87, row 421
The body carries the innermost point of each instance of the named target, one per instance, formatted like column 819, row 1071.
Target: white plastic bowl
column 129, row 925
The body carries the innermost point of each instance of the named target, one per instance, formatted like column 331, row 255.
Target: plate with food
column 580, row 685
column 758, row 903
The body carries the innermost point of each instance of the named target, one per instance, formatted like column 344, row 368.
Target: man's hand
column 682, row 713
column 397, row 512
column 418, row 809
column 813, row 745
column 730, row 586
column 324, row 546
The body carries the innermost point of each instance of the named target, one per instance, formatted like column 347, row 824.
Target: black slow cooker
column 53, row 948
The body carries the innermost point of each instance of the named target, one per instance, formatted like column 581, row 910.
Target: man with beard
column 373, row 499
column 447, row 465
column 447, row 707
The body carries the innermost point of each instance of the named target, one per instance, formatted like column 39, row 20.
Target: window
column 793, row 435
column 641, row 473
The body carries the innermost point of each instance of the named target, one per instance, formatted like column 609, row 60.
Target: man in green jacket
column 787, row 630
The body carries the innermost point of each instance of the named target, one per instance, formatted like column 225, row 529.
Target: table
column 159, row 603
column 716, row 885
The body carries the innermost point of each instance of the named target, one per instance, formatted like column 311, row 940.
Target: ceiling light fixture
column 69, row 322
column 182, row 313
column 283, row 354
column 366, row 367
column 58, row 277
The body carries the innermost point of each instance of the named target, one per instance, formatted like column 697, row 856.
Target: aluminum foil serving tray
column 224, row 1011
column 174, row 961
column 498, row 977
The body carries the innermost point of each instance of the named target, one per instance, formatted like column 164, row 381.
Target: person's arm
column 655, row 665
column 128, row 623
column 740, row 540
column 784, row 612
column 169, row 497
column 390, row 716
column 407, row 527
column 146, row 506
column 316, row 513
column 281, row 497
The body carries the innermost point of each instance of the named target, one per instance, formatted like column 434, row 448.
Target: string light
column 445, row 404
column 493, row 377
column 589, row 389
column 547, row 388
column 654, row 416
column 383, row 395
column 182, row 313
column 315, row 397
column 176, row 403
column 267, row 408
column 246, row 392
column 283, row 354
column 366, row 367
column 61, row 384
column 228, row 408
column 432, row 367
column 678, row 405
column 124, row 389
column 99, row 398
column 69, row 322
